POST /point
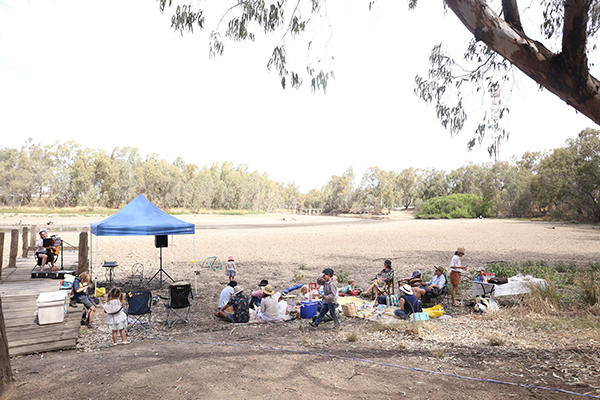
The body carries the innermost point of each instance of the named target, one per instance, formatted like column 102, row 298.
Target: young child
column 231, row 269
column 349, row 288
column 330, row 294
column 116, row 319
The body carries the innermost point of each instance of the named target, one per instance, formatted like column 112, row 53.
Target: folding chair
column 177, row 306
column 139, row 310
column 429, row 298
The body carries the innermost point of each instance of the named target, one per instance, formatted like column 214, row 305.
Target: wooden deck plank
column 19, row 293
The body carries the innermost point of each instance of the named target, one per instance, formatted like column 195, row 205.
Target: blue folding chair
column 139, row 310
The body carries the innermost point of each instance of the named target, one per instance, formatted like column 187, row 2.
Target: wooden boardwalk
column 19, row 303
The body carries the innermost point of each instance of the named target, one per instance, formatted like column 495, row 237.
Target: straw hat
column 237, row 289
column 406, row 289
column 461, row 250
column 439, row 268
column 268, row 290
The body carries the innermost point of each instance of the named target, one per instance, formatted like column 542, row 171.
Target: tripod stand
column 161, row 271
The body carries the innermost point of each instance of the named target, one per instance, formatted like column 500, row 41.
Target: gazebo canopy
column 141, row 217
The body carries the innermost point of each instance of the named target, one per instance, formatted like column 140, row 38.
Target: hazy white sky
column 113, row 73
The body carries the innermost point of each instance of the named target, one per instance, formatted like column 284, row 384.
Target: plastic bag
column 435, row 311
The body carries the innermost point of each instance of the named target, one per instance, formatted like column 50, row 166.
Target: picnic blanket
column 381, row 313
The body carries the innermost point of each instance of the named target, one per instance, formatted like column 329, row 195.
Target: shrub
column 588, row 282
column 454, row 206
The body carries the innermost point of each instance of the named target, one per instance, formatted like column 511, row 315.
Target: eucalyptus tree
column 433, row 183
column 407, row 186
column 500, row 43
column 339, row 191
column 377, row 188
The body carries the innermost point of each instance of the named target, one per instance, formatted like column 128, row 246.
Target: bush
column 454, row 206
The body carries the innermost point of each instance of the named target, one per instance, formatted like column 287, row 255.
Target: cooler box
column 52, row 307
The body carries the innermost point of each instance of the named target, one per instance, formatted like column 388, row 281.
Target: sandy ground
column 287, row 359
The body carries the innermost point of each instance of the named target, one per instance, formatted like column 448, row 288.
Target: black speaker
column 161, row 241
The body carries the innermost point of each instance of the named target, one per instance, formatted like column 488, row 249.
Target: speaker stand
column 161, row 271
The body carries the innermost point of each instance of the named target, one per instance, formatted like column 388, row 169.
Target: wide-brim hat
column 233, row 284
column 237, row 289
column 439, row 268
column 461, row 250
column 406, row 289
column 387, row 263
column 415, row 274
column 268, row 290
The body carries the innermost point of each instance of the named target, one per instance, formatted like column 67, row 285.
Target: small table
column 109, row 272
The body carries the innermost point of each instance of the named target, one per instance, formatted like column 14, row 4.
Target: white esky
column 113, row 73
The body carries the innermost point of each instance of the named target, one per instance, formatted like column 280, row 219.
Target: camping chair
column 429, row 298
column 177, row 305
column 388, row 290
column 138, row 310
column 137, row 272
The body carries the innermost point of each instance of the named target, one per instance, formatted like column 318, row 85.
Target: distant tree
column 377, row 188
column 339, row 191
column 407, row 186
column 434, row 183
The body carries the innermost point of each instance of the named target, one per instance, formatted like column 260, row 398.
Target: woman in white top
column 456, row 268
column 269, row 309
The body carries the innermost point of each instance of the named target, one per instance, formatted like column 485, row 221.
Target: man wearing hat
column 437, row 283
column 239, row 303
column 408, row 304
column 330, row 294
column 456, row 268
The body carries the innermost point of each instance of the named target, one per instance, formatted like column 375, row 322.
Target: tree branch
column 511, row 14
column 550, row 70
column 574, row 38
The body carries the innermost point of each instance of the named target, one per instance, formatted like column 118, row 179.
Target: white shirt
column 269, row 309
column 455, row 262
column 225, row 296
column 439, row 281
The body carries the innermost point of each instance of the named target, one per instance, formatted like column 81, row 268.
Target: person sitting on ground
column 257, row 295
column 44, row 253
column 437, row 283
column 240, row 311
column 226, row 294
column 80, row 286
column 383, row 278
column 408, row 304
column 269, row 309
column 304, row 296
column 349, row 288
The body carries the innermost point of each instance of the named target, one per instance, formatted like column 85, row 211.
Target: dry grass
column 306, row 340
column 352, row 336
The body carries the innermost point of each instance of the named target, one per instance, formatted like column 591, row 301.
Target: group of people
column 415, row 289
column 235, row 306
column 269, row 305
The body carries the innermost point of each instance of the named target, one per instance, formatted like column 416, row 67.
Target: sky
column 113, row 73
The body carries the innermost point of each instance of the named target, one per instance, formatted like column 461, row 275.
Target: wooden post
column 1, row 252
column 5, row 369
column 34, row 236
column 14, row 248
column 83, row 266
column 25, row 240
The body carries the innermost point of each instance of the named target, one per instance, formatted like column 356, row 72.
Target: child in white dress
column 116, row 319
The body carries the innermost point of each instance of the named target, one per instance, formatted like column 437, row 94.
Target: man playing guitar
column 43, row 252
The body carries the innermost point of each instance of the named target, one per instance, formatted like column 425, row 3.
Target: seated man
column 226, row 294
column 408, row 304
column 239, row 305
column 435, row 286
column 44, row 253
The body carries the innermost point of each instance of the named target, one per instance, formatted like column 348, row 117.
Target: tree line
column 563, row 183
